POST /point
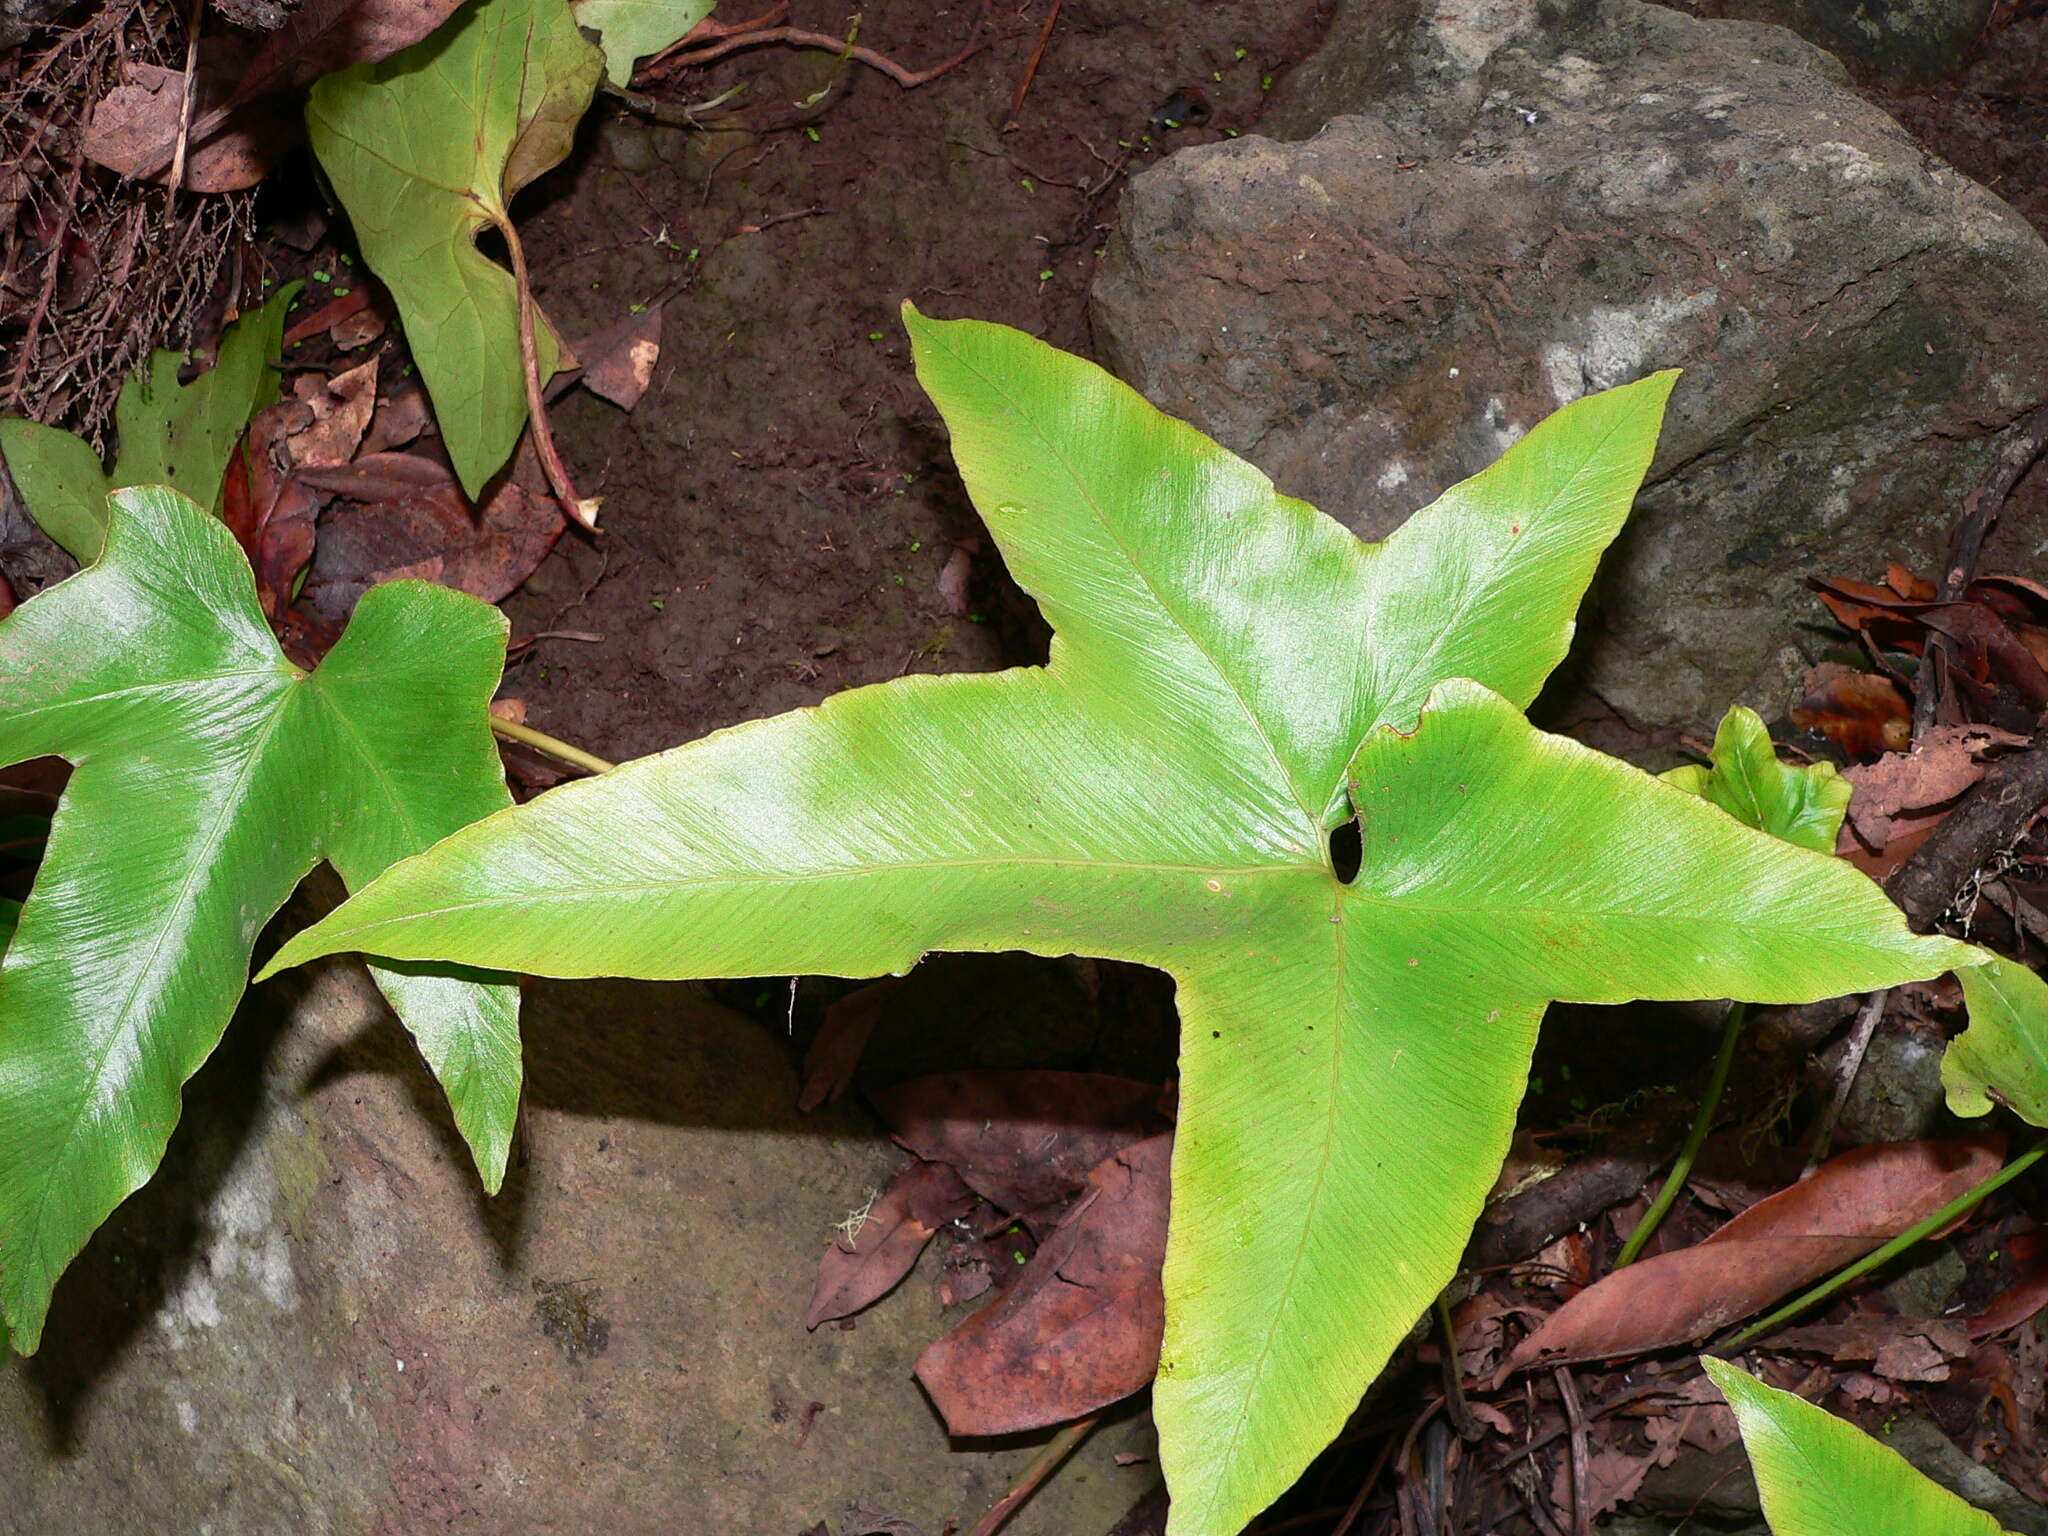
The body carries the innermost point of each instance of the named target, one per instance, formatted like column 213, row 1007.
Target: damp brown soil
column 780, row 507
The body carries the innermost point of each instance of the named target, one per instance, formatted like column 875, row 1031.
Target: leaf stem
column 540, row 741
column 1702, row 1123
column 1898, row 1245
column 573, row 507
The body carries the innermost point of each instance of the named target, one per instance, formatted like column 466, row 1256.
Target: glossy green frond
column 209, row 775
column 1801, row 805
column 1231, row 675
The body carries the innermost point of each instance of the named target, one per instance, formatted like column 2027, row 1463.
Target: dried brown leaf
column 857, row 1272
column 1082, row 1325
column 1850, row 1205
column 1025, row 1140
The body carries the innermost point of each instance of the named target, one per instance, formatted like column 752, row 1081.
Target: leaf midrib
column 1329, row 1140
column 1310, row 821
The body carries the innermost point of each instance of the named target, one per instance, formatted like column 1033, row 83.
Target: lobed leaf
column 1803, row 805
column 180, row 435
column 1822, row 1476
column 426, row 149
column 209, row 775
column 1232, row 674
column 2003, row 1056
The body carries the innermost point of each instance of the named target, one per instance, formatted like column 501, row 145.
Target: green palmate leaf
column 1232, row 674
column 426, row 149
column 1800, row 805
column 1822, row 1476
column 180, row 435
column 2002, row 1057
column 629, row 30
column 209, row 776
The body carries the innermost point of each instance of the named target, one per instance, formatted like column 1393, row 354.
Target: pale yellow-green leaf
column 1802, row 805
column 630, row 30
column 1822, row 1476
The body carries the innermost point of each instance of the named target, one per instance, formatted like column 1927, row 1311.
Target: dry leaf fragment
column 341, row 408
column 1863, row 713
column 618, row 362
column 1850, row 1205
column 1081, row 1327
column 859, row 1270
column 1024, row 1140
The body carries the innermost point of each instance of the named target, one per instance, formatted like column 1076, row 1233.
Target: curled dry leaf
column 341, row 408
column 322, row 36
column 860, row 1270
column 834, row 1054
column 1863, row 713
column 1851, row 1204
column 134, row 128
column 1903, row 791
column 1081, row 1326
column 406, row 516
column 267, row 507
column 1025, row 1140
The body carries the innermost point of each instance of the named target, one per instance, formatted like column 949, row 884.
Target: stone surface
column 1906, row 40
column 1528, row 202
column 312, row 1321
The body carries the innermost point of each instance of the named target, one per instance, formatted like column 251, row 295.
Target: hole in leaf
column 1347, row 849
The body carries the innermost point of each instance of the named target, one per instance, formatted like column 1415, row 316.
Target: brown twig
column 797, row 37
column 1582, row 1473
column 573, row 507
column 1853, row 1052
column 2024, row 443
column 779, row 218
column 1056, row 1451
column 1993, row 815
column 1031, row 64
column 190, row 87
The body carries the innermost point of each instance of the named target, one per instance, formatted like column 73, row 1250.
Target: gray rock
column 1530, row 202
column 1904, row 40
column 312, row 1320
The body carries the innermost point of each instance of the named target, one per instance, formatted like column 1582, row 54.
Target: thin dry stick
column 191, row 89
column 536, row 408
column 1057, row 1449
column 1031, row 64
column 1852, row 1063
column 1582, row 1475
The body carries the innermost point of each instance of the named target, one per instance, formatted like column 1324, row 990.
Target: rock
column 1903, row 40
column 1530, row 202
column 313, row 1321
